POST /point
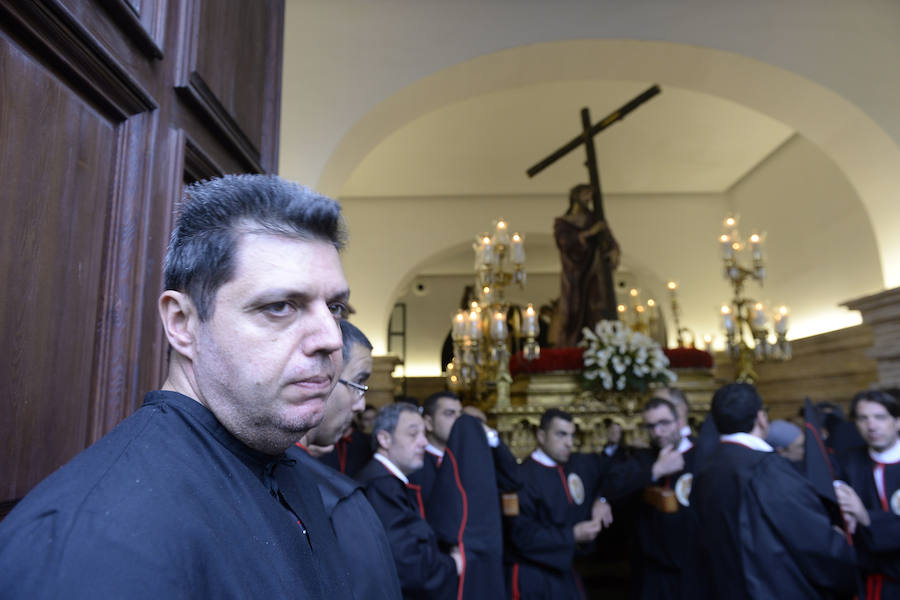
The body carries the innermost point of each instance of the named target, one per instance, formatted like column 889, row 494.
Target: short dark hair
column 388, row 417
column 676, row 395
column 351, row 336
column 429, row 407
column 886, row 399
column 553, row 413
column 734, row 408
column 657, row 402
column 213, row 215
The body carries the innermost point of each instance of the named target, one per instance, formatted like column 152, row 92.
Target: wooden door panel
column 57, row 185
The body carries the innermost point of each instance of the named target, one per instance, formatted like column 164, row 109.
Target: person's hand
column 850, row 522
column 602, row 512
column 851, row 504
column 456, row 555
column 317, row 451
column 669, row 461
column 586, row 531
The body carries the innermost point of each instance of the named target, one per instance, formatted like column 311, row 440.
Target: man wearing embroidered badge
column 560, row 510
column 871, row 494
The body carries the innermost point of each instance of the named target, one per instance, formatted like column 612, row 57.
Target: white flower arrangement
column 617, row 358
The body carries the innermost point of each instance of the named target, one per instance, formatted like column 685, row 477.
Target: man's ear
column 541, row 436
column 179, row 318
column 384, row 439
column 429, row 424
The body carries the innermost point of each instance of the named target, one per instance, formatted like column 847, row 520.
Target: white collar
column 887, row 457
column 391, row 467
column 746, row 439
column 686, row 431
column 684, row 445
column 434, row 450
column 610, row 449
column 541, row 457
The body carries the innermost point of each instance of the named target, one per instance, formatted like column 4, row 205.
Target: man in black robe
column 440, row 411
column 560, row 509
column 764, row 532
column 192, row 496
column 351, row 452
column 668, row 561
column 425, row 570
column 870, row 492
column 360, row 535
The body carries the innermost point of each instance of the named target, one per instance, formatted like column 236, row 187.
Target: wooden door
column 106, row 108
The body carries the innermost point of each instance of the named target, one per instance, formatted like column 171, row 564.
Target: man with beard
column 192, row 496
column 667, row 565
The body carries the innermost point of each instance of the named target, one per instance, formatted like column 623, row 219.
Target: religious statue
column 588, row 252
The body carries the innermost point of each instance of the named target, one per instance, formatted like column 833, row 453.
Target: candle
column 727, row 250
column 758, row 316
column 707, row 341
column 781, row 320
column 672, row 286
column 529, row 322
column 517, row 254
column 486, row 297
column 730, row 222
column 474, row 325
column 501, row 234
column 621, row 308
column 498, row 327
column 459, row 324
column 756, row 246
column 727, row 320
column 487, row 251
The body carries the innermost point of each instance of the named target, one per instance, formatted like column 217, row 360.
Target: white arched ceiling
column 359, row 76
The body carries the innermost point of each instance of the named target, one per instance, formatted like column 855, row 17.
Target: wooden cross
column 586, row 137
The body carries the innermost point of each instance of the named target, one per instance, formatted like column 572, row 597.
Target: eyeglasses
column 661, row 423
column 356, row 387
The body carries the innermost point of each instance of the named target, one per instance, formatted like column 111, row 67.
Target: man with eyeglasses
column 360, row 535
column 665, row 524
column 764, row 532
column 347, row 449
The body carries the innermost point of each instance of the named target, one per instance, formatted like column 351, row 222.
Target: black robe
column 463, row 508
column 668, row 562
column 171, row 505
column 764, row 533
column 424, row 477
column 541, row 539
column 878, row 545
column 425, row 571
column 360, row 535
column 351, row 453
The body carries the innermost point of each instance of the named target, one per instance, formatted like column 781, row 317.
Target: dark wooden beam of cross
column 586, row 137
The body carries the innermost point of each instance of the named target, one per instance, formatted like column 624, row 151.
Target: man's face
column 876, row 425
column 365, row 420
column 344, row 400
column 445, row 414
column 680, row 408
column 795, row 450
column 662, row 426
column 558, row 439
column 613, row 433
column 268, row 357
column 406, row 448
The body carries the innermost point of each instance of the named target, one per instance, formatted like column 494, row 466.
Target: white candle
column 459, row 324
column 487, row 251
column 759, row 315
column 781, row 320
column 727, row 250
column 529, row 322
column 756, row 246
column 727, row 320
column 501, row 234
column 474, row 324
column 498, row 327
column 517, row 254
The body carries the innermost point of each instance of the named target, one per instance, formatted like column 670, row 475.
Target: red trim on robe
column 462, row 525
column 562, row 478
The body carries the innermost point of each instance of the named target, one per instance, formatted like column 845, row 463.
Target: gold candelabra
column 482, row 333
column 640, row 316
column 745, row 320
